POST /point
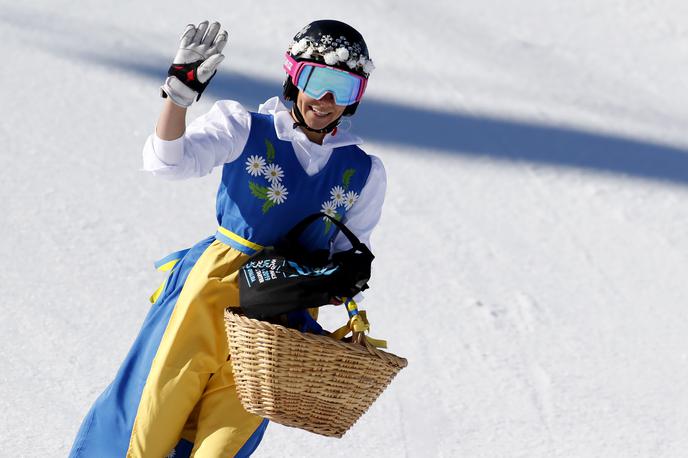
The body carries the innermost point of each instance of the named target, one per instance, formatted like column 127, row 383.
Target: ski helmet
column 334, row 44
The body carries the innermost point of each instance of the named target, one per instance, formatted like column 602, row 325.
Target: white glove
column 199, row 54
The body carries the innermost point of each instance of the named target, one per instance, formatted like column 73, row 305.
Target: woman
column 175, row 394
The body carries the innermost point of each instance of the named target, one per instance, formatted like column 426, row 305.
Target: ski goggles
column 317, row 79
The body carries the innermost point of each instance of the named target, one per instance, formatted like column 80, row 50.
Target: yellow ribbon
column 163, row 268
column 357, row 323
column 154, row 297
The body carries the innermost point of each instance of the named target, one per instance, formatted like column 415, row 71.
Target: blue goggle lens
column 318, row 81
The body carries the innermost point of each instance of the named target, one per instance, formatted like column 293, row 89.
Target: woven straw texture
column 304, row 380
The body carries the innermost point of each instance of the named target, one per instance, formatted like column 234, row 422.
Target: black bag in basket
column 286, row 277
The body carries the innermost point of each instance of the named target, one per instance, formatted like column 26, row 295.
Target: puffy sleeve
column 213, row 139
column 364, row 215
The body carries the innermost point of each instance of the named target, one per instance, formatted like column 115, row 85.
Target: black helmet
column 332, row 43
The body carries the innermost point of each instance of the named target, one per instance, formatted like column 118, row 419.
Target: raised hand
column 196, row 61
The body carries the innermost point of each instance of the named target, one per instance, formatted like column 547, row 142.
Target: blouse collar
column 284, row 127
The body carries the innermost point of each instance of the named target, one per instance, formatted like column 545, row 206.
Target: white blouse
column 220, row 135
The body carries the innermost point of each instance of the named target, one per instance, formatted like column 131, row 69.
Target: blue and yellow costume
column 175, row 391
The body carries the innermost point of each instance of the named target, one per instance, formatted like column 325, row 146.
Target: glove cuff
column 178, row 92
column 187, row 74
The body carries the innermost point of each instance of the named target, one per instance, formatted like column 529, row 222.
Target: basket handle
column 357, row 325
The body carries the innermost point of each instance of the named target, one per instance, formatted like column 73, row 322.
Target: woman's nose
column 328, row 97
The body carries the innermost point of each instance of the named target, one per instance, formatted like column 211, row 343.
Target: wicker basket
column 304, row 380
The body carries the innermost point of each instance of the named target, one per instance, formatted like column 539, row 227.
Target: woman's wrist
column 172, row 122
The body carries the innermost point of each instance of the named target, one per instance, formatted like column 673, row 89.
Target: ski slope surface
column 532, row 256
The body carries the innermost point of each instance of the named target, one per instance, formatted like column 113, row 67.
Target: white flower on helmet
column 299, row 46
column 368, row 67
column 308, row 52
column 255, row 165
column 331, row 58
column 342, row 54
column 277, row 193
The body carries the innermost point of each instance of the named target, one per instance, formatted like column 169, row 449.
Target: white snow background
column 532, row 255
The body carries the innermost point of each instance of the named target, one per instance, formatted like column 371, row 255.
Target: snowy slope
column 532, row 253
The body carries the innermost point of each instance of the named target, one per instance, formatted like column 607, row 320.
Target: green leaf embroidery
column 270, row 152
column 257, row 190
column 328, row 223
column 268, row 205
column 348, row 173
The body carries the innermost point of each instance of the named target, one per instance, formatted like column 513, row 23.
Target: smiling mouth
column 320, row 113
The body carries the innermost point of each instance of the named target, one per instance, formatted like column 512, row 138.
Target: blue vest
column 266, row 191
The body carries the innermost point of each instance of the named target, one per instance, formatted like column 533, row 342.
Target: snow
column 531, row 260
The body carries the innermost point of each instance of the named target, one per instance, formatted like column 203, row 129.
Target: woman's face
column 319, row 113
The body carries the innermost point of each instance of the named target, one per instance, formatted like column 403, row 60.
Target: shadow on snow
column 455, row 133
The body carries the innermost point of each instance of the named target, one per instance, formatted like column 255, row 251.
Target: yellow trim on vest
column 239, row 239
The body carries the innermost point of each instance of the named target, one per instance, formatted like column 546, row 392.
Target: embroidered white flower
column 351, row 63
column 273, row 173
column 172, row 454
column 277, row 193
column 368, row 67
column 337, row 194
column 329, row 208
column 350, row 199
column 342, row 54
column 326, row 39
column 255, row 165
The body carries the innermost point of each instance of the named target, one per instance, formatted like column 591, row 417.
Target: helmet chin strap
column 302, row 122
